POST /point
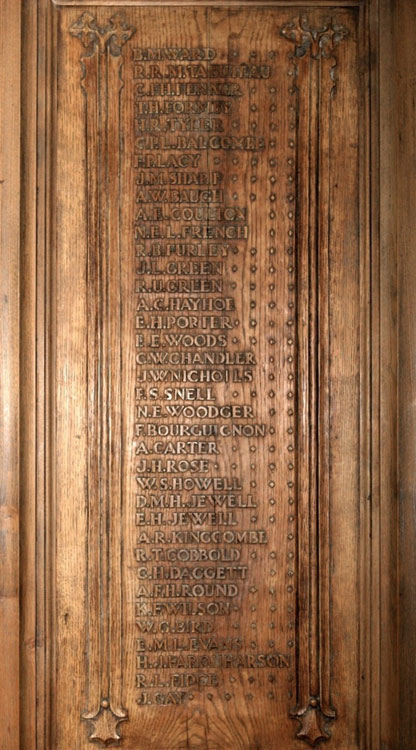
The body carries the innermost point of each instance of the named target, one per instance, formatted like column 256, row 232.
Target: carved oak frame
column 387, row 716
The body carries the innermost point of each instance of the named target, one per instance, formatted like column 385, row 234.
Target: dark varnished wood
column 403, row 19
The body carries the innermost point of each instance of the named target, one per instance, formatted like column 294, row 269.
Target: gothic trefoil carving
column 105, row 724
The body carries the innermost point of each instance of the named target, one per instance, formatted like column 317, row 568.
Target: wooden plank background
column 387, row 716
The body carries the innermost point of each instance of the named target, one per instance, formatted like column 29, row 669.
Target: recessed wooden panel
column 206, row 378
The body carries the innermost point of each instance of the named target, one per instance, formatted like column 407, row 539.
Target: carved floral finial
column 102, row 38
column 313, row 722
column 319, row 42
column 105, row 723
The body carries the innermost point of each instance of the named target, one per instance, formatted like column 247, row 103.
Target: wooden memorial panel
column 208, row 313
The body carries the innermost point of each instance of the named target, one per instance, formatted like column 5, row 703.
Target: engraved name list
column 213, row 372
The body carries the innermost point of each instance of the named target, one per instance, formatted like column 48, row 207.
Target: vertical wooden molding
column 404, row 30
column 314, row 83
column 101, row 64
column 10, row 81
column 387, row 708
column 368, row 717
column 31, row 635
column 381, row 707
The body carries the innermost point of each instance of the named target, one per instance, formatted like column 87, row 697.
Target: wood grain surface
column 10, row 370
column 205, row 349
column 179, row 652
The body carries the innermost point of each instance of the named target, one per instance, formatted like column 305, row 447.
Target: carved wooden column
column 313, row 72
column 101, row 64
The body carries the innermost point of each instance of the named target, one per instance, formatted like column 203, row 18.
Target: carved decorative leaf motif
column 105, row 724
column 312, row 720
column 319, row 42
column 94, row 37
column 101, row 63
